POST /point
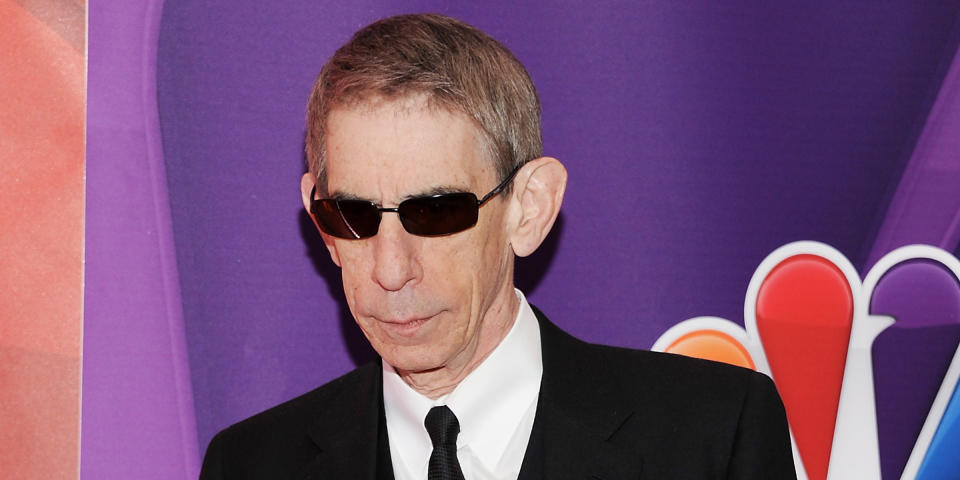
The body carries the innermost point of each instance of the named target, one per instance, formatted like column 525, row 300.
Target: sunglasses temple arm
column 500, row 187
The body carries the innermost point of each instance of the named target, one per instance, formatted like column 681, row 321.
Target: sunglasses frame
column 316, row 202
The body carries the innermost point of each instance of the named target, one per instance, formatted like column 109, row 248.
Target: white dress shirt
column 495, row 405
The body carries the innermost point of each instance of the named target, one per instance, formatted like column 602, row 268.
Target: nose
column 396, row 255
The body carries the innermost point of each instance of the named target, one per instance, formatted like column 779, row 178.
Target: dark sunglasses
column 427, row 216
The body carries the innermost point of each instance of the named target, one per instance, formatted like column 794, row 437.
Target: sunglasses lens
column 347, row 218
column 439, row 214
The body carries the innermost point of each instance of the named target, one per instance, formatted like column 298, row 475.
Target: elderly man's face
column 423, row 302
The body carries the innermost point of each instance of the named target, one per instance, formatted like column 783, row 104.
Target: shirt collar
column 488, row 403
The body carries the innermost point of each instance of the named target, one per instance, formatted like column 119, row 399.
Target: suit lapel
column 346, row 430
column 588, row 426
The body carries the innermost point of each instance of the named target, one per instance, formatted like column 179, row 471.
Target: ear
column 307, row 183
column 538, row 189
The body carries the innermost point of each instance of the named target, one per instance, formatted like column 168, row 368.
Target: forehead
column 391, row 149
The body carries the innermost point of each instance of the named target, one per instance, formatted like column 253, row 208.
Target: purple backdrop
column 698, row 139
column 137, row 406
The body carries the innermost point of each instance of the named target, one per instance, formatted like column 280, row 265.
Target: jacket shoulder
column 678, row 372
column 685, row 417
column 293, row 413
column 678, row 387
column 274, row 442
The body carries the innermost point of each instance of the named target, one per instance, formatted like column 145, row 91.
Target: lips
column 406, row 327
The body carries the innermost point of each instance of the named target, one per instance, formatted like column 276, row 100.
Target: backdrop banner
column 771, row 185
column 41, row 236
column 138, row 419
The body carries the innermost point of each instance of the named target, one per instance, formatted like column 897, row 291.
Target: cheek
column 354, row 268
column 492, row 252
column 452, row 263
column 475, row 269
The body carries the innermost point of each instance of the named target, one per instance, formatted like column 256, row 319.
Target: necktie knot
column 442, row 425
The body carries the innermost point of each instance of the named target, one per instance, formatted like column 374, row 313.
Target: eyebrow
column 439, row 190
column 339, row 195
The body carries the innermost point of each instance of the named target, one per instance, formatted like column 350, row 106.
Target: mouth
column 405, row 327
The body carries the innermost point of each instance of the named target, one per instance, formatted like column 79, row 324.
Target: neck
column 495, row 323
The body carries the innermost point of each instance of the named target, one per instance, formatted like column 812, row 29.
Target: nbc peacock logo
column 867, row 369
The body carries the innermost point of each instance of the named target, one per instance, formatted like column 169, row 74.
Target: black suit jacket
column 604, row 413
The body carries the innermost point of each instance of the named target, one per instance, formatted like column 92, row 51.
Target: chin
column 411, row 359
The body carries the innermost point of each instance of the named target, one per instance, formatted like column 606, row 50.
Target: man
column 426, row 179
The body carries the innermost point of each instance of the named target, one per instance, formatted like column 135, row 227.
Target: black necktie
column 443, row 427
